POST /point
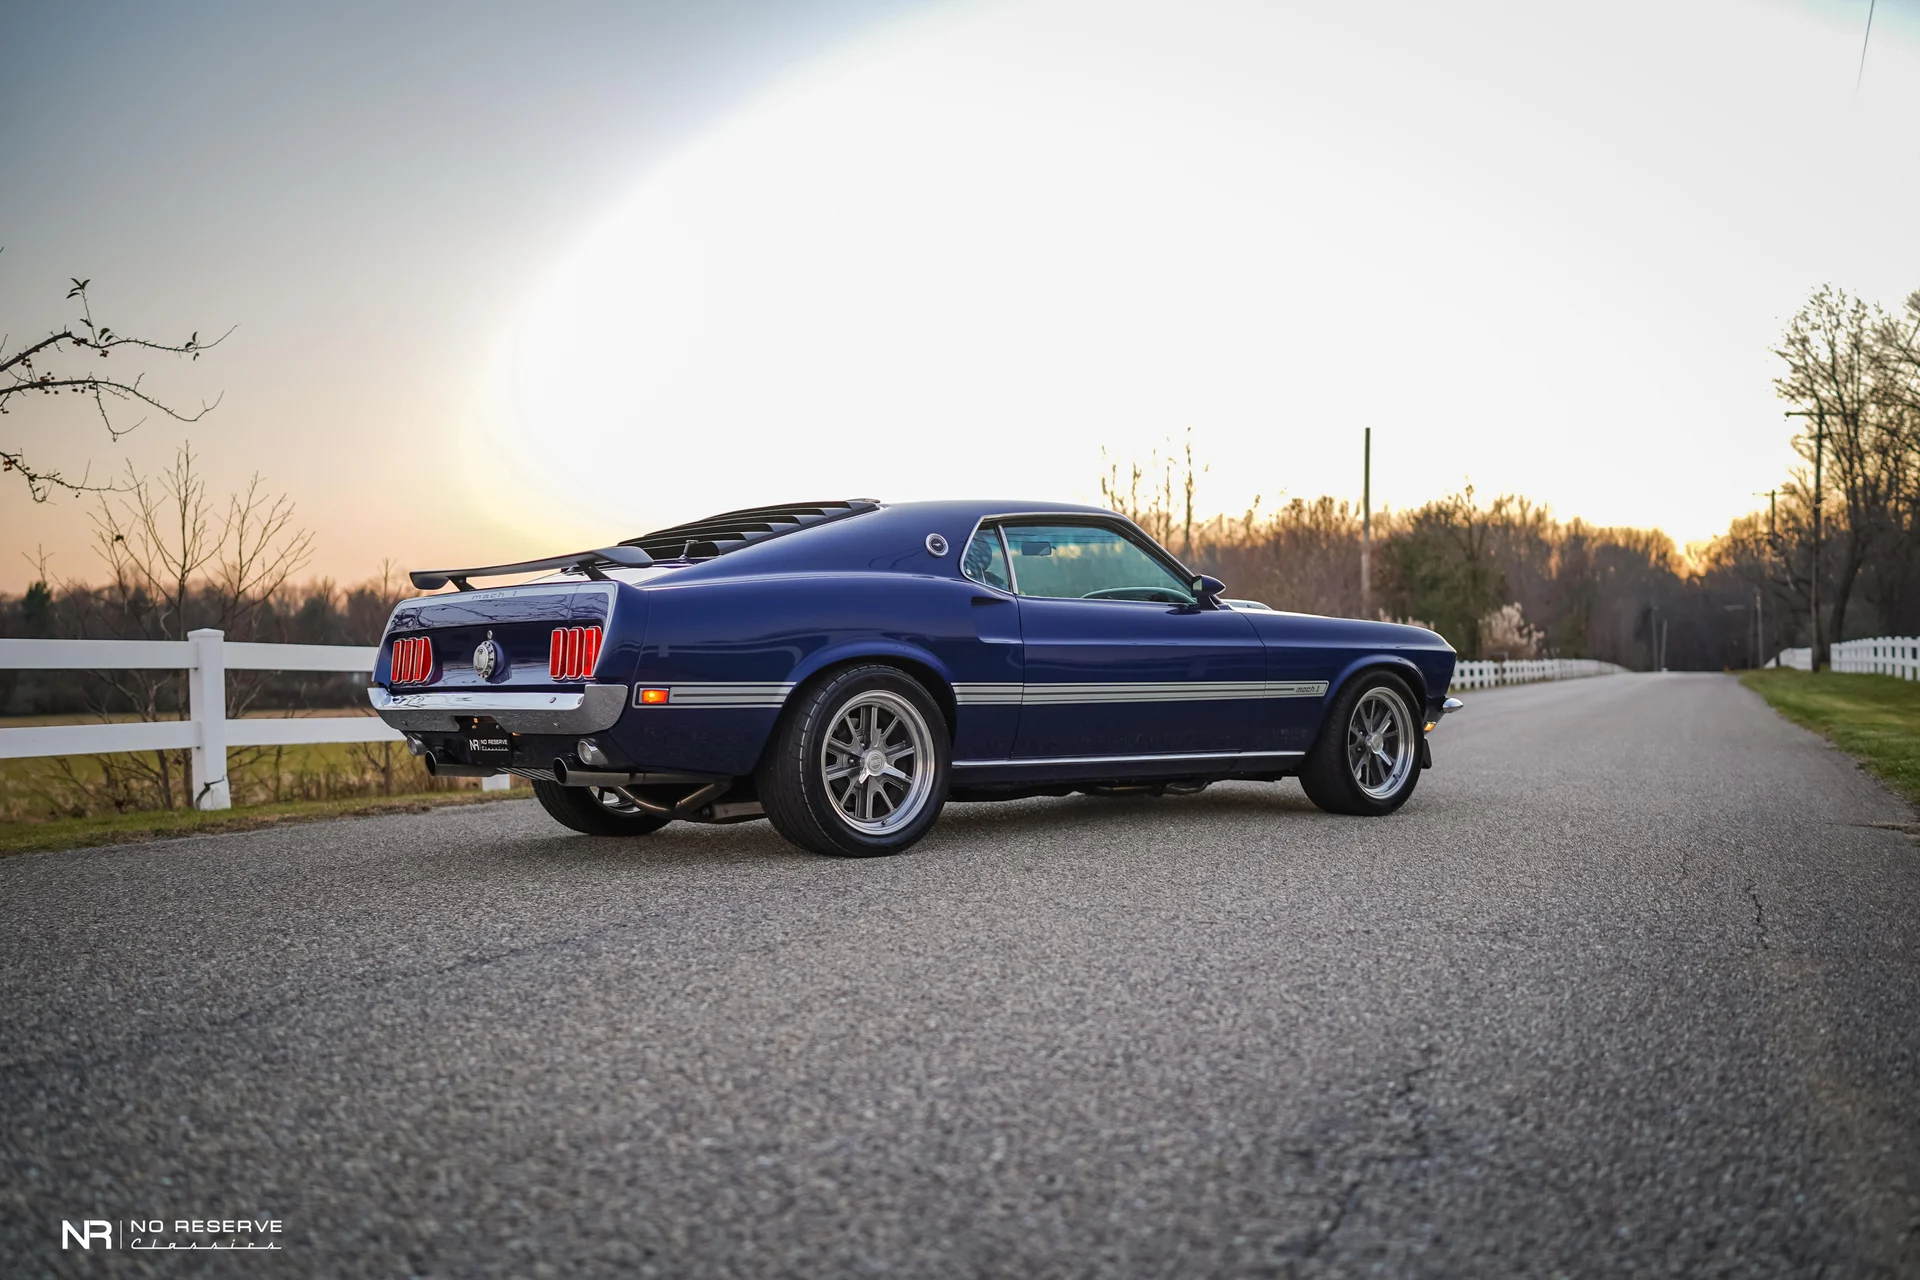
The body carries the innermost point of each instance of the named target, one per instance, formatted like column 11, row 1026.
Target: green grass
column 129, row 828
column 1875, row 718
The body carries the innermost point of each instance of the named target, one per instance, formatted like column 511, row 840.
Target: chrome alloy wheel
column 1380, row 742
column 877, row 762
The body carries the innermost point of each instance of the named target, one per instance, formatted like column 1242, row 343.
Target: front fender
column 1394, row 662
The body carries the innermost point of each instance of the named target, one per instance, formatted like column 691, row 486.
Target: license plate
column 490, row 748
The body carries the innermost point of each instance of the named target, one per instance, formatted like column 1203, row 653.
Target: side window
column 1089, row 562
column 986, row 560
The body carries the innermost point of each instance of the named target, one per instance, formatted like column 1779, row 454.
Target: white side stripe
column 774, row 694
column 1174, row 757
column 723, row 695
column 1150, row 691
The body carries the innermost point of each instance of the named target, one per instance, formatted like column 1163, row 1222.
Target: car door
column 1120, row 659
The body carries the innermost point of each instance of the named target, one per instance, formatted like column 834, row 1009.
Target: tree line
column 1499, row 577
column 1507, row 578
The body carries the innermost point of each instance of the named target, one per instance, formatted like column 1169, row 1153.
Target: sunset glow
column 968, row 252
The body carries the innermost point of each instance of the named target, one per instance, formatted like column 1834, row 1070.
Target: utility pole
column 1819, row 416
column 1366, row 525
column 1773, row 554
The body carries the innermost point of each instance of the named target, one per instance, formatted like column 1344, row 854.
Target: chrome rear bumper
column 587, row 710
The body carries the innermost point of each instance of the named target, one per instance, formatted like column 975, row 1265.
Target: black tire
column 804, row 804
column 584, row 810
column 1333, row 778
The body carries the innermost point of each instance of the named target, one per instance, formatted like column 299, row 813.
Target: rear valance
column 587, row 562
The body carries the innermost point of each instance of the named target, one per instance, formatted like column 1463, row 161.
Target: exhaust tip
column 560, row 771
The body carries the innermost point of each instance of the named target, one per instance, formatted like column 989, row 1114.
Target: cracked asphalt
column 1630, row 986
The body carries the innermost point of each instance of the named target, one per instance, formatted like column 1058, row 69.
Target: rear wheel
column 1366, row 761
column 858, row 765
column 595, row 810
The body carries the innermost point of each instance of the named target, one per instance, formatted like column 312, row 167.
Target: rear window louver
column 731, row 530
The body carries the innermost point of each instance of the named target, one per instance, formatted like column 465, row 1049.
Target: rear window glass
column 986, row 560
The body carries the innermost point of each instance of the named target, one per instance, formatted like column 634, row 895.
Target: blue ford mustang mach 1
column 844, row 669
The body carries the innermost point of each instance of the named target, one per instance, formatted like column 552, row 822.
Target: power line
column 1858, row 75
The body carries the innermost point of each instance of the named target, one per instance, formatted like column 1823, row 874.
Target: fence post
column 207, row 702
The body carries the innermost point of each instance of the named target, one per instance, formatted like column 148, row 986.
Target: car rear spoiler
column 587, row 562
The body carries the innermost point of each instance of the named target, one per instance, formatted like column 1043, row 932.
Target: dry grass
column 131, row 828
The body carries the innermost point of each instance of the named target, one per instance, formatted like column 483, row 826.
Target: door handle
column 991, row 600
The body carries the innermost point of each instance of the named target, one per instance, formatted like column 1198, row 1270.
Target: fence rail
column 1880, row 656
column 206, row 656
column 1877, row 656
column 1487, row 675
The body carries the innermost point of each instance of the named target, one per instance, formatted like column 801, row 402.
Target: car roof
column 854, row 535
column 712, row 536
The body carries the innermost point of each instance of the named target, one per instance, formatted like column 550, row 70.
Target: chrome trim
column 598, row 653
column 1451, row 705
column 1153, row 547
column 1030, row 761
column 1105, row 518
column 579, row 711
column 960, row 560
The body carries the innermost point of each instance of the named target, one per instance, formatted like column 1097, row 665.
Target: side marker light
column 654, row 697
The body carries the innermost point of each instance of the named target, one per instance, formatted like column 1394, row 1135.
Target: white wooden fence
column 1882, row 656
column 1797, row 659
column 207, row 657
column 1485, row 675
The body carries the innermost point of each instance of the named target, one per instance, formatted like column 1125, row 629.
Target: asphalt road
column 1631, row 985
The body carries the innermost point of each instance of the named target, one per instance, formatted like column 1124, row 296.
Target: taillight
column 412, row 660
column 573, row 652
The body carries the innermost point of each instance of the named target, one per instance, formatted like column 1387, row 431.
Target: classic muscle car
column 844, row 669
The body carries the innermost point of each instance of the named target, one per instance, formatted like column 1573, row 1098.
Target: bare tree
column 53, row 366
column 179, row 562
column 1859, row 431
column 1166, row 506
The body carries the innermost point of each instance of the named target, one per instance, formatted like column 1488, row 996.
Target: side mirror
column 1206, row 588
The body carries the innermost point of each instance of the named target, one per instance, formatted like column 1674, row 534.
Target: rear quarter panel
column 784, row 629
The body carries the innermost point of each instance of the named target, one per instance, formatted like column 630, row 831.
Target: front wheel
column 858, row 765
column 1366, row 761
column 595, row 811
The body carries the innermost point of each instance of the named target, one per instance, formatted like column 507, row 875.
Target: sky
column 509, row 282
